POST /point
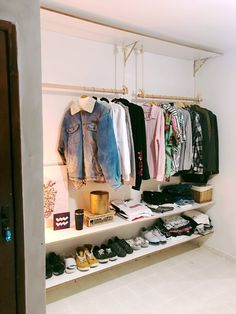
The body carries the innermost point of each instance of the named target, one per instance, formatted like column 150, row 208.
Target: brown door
column 11, row 213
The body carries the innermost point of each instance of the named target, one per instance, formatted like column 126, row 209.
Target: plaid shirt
column 197, row 138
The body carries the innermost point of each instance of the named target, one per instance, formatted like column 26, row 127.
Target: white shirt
column 121, row 135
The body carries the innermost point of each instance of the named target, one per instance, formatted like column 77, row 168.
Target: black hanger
column 104, row 99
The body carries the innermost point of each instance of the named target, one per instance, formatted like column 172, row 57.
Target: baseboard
column 220, row 253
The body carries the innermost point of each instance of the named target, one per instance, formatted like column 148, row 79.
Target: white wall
column 25, row 14
column 215, row 82
column 74, row 61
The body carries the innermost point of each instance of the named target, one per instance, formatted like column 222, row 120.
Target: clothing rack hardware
column 123, row 90
column 141, row 94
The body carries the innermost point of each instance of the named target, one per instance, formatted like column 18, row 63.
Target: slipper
column 70, row 264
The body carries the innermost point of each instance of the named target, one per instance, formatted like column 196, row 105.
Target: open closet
column 82, row 58
column 139, row 51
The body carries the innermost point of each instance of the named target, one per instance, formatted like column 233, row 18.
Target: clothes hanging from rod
column 153, row 140
column 139, row 139
column 85, row 148
column 191, row 141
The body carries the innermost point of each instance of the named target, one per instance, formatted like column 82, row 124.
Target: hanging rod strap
column 123, row 90
column 142, row 95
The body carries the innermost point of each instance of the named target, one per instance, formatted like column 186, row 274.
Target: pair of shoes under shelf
column 104, row 253
column 85, row 257
column 55, row 265
column 120, row 246
column 70, row 264
column 138, row 243
column 153, row 235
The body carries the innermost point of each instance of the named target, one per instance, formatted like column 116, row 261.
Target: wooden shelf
column 64, row 278
column 72, row 24
column 52, row 236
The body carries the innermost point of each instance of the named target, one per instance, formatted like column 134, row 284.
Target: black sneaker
column 125, row 246
column 119, row 251
column 100, row 254
column 48, row 269
column 57, row 263
column 111, row 254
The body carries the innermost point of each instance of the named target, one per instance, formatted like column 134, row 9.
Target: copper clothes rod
column 123, row 90
column 141, row 94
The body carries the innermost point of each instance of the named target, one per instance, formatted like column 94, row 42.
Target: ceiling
column 204, row 24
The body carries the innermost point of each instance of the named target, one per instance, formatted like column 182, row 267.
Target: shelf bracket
column 127, row 50
column 198, row 64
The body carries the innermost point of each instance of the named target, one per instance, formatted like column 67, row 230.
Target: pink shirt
column 154, row 122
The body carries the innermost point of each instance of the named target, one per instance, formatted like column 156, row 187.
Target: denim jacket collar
column 83, row 104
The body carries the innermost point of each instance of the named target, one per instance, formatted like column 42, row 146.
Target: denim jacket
column 88, row 147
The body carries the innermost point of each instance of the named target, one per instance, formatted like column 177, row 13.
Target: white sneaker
column 150, row 236
column 159, row 235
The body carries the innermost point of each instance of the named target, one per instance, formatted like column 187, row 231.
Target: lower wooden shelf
column 59, row 280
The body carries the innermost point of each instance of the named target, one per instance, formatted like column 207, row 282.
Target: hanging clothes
column 205, row 146
column 139, row 138
column 171, row 142
column 154, row 122
column 130, row 144
column 87, row 144
column 121, row 135
column 186, row 155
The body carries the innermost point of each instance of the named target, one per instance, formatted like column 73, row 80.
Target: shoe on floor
column 88, row 250
column 100, row 254
column 81, row 260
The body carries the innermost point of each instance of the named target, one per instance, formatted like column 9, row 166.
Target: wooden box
column 202, row 194
column 93, row 220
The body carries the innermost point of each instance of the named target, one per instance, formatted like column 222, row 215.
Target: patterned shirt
column 197, row 141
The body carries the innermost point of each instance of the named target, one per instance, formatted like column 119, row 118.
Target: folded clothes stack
column 169, row 198
column 201, row 222
column 131, row 209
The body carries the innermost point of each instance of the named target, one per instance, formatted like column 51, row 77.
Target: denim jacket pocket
column 73, row 131
column 92, row 126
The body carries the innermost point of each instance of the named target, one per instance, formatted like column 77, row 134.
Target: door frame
column 15, row 138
